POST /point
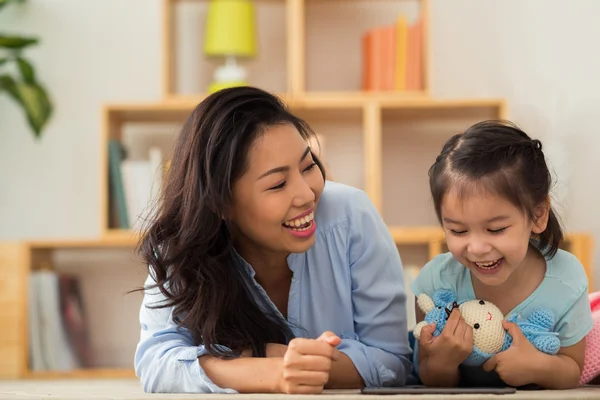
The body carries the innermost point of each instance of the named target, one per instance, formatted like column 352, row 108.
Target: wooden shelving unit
column 378, row 141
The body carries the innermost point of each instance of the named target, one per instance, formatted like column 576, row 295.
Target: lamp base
column 216, row 86
column 229, row 75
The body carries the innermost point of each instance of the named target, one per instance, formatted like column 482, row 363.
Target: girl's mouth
column 488, row 267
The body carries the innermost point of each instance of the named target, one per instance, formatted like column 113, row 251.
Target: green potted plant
column 19, row 81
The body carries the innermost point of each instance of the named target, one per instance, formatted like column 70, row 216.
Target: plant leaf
column 36, row 105
column 16, row 42
column 5, row 2
column 8, row 83
column 27, row 71
column 34, row 100
column 3, row 60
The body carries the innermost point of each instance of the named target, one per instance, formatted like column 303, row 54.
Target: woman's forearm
column 344, row 375
column 244, row 374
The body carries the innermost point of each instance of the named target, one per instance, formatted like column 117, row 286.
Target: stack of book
column 393, row 57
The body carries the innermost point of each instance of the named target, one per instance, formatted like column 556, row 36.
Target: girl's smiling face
column 487, row 234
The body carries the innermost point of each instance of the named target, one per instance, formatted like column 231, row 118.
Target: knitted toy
column 489, row 336
column 591, row 363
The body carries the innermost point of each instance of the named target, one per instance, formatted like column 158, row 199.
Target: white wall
column 538, row 54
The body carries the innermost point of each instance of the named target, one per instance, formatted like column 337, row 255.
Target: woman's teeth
column 302, row 223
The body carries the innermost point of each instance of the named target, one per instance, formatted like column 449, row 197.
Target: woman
column 263, row 277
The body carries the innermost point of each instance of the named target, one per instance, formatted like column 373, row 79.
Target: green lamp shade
column 230, row 28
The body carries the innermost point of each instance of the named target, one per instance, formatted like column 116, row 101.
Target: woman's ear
column 540, row 217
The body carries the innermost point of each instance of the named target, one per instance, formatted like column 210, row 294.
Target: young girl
column 490, row 188
column 263, row 276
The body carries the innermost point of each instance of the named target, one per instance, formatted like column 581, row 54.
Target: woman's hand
column 517, row 365
column 452, row 346
column 306, row 364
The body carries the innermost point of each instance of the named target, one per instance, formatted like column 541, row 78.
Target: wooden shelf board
column 124, row 240
column 92, row 373
column 416, row 235
column 181, row 107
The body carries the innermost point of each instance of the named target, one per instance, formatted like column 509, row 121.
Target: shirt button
column 144, row 327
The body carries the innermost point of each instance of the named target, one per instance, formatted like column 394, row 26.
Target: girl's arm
column 523, row 364
column 432, row 373
column 563, row 370
column 439, row 357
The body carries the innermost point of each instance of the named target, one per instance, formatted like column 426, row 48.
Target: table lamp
column 230, row 33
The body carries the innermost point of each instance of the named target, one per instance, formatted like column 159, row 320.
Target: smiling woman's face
column 273, row 203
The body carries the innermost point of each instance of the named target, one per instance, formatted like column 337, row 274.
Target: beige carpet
column 130, row 389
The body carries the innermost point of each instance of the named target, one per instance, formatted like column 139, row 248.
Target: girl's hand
column 452, row 346
column 306, row 364
column 517, row 365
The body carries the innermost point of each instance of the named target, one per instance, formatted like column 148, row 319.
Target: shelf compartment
column 332, row 46
column 105, row 270
column 412, row 139
column 341, row 135
column 188, row 72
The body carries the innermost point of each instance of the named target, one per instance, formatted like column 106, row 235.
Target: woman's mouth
column 303, row 227
column 488, row 267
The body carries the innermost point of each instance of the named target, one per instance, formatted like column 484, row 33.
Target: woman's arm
column 344, row 374
column 166, row 359
column 379, row 348
column 245, row 374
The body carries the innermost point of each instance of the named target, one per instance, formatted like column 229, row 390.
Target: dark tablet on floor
column 438, row 390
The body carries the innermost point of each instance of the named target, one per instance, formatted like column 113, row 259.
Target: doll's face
column 486, row 321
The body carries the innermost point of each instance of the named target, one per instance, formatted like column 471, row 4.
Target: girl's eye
column 311, row 166
column 457, row 233
column 496, row 231
column 280, row 186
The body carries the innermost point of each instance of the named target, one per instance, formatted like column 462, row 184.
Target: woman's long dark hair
column 188, row 245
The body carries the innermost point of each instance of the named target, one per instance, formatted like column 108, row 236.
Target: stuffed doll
column 591, row 363
column 489, row 336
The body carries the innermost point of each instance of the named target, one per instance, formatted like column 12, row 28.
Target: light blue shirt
column 563, row 291
column 350, row 282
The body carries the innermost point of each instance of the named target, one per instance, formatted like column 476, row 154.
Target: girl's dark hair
column 498, row 157
column 188, row 245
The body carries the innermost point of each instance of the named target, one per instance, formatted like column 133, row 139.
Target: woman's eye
column 311, row 166
column 496, row 231
column 280, row 186
column 457, row 233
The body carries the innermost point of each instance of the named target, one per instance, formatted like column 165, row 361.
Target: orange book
column 414, row 65
column 378, row 59
column 400, row 55
column 389, row 57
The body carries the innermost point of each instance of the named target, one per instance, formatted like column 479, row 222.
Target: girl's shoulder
column 566, row 269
